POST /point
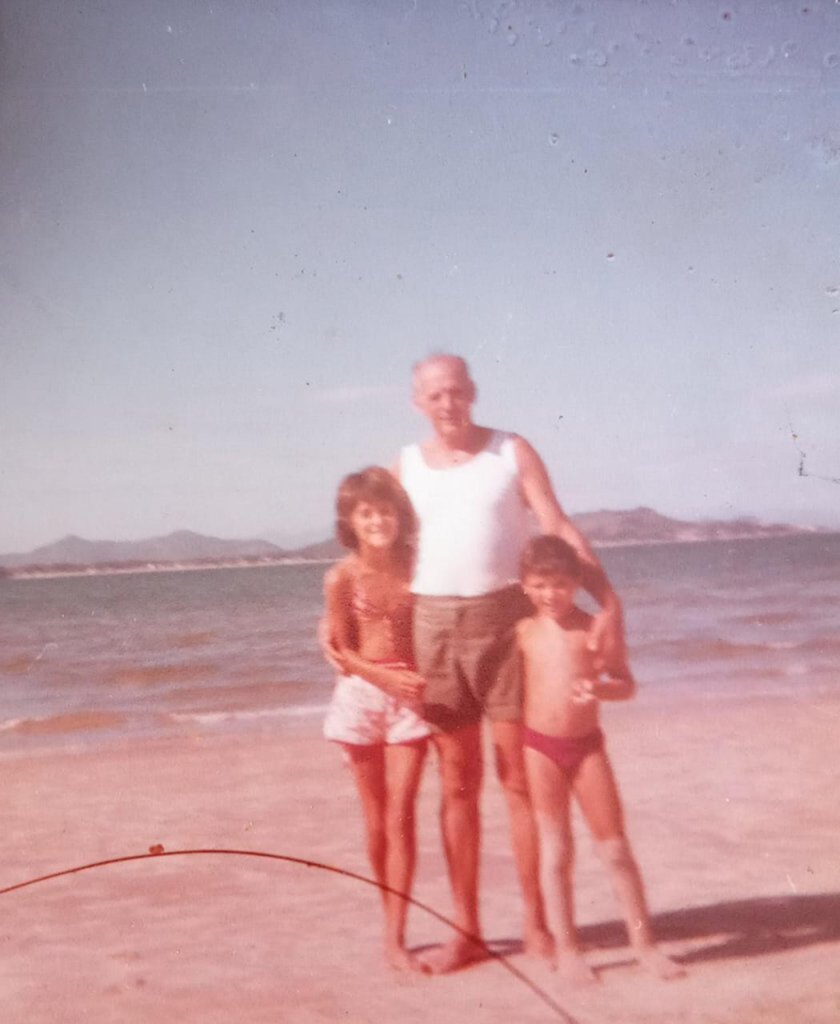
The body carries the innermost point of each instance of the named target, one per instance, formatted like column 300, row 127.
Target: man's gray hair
column 440, row 357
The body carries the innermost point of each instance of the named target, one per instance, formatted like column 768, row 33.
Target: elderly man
column 474, row 490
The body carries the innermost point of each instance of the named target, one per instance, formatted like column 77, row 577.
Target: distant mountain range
column 181, row 546
column 642, row 525
column 193, row 550
column 646, row 526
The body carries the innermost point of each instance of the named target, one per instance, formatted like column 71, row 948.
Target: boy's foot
column 454, row 955
column 400, row 959
column 574, row 970
column 539, row 943
column 656, row 963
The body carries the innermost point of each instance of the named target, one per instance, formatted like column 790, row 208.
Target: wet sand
column 732, row 809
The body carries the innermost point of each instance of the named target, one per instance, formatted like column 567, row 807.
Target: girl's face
column 375, row 524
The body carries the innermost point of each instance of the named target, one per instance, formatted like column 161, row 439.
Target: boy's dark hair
column 377, row 486
column 547, row 555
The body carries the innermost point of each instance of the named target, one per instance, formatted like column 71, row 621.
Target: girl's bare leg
column 550, row 799
column 597, row 793
column 403, row 769
column 367, row 764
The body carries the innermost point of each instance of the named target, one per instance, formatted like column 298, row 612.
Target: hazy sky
column 229, row 228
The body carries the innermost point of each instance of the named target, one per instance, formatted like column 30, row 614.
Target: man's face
column 444, row 394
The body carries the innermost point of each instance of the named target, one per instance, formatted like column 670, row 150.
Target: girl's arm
column 399, row 682
column 336, row 628
column 338, row 589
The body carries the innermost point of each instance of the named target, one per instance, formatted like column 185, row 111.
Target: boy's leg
column 597, row 793
column 460, row 764
column 550, row 799
column 403, row 768
column 510, row 767
column 367, row 764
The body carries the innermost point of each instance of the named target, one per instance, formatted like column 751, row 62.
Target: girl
column 375, row 709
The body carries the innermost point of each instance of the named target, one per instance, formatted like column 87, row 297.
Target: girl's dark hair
column 547, row 554
column 377, row 486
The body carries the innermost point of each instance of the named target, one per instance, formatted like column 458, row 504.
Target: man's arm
column 540, row 497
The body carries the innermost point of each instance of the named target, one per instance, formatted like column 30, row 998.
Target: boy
column 564, row 753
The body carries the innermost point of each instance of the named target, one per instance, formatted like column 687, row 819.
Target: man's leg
column 459, row 761
column 510, row 766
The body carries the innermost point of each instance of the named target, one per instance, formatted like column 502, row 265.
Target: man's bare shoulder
column 528, row 460
column 521, row 445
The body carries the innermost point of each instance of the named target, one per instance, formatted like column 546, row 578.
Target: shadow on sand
column 743, row 928
column 737, row 929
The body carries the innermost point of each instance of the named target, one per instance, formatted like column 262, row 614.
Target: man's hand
column 583, row 691
column 606, row 638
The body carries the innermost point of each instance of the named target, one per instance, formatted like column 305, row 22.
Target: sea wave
column 227, row 694
column 769, row 618
column 150, row 675
column 212, row 718
column 189, row 640
column 67, row 722
column 700, row 648
column 21, row 664
column 720, row 649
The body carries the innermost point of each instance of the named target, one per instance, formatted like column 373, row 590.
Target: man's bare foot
column 454, row 955
column 400, row 959
column 656, row 963
column 539, row 943
column 574, row 970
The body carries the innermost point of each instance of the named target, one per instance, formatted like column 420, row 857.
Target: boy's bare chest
column 557, row 658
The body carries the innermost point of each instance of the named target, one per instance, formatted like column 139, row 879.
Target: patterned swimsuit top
column 394, row 615
column 369, row 610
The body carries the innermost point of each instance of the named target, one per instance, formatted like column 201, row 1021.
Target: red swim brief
column 567, row 752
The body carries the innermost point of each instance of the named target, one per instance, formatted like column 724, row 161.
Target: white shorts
column 361, row 713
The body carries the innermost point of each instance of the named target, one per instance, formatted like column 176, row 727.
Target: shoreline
column 35, row 573
column 49, row 574
column 64, row 734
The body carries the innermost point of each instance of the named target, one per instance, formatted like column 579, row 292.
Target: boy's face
column 551, row 593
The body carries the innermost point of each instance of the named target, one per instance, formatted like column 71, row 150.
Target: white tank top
column 473, row 520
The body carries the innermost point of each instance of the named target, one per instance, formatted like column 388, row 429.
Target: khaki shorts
column 464, row 649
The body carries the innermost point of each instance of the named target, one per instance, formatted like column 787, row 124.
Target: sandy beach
column 732, row 808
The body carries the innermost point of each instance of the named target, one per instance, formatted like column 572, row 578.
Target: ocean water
column 92, row 659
